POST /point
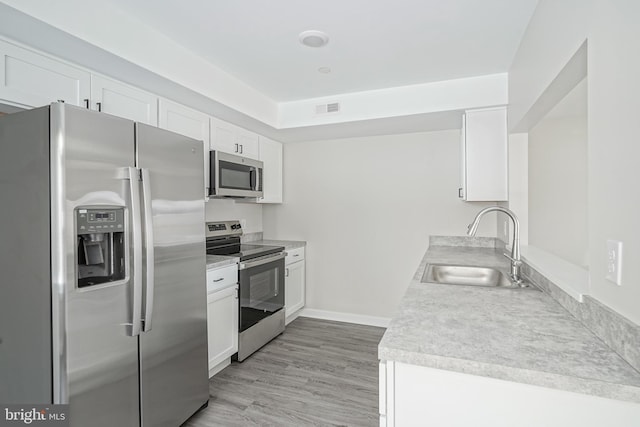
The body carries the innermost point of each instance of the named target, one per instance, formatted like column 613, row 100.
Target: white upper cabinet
column 271, row 156
column 186, row 121
column 484, row 155
column 119, row 99
column 234, row 139
column 33, row 80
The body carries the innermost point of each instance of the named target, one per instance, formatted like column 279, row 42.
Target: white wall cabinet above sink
column 271, row 156
column 233, row 139
column 32, row 80
column 119, row 99
column 484, row 155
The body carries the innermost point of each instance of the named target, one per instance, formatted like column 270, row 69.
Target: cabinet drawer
column 221, row 278
column 294, row 255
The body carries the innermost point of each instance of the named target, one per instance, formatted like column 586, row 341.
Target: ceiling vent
column 333, row 107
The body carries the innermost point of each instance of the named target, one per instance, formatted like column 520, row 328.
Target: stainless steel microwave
column 234, row 176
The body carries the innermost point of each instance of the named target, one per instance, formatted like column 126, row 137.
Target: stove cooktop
column 244, row 251
column 223, row 238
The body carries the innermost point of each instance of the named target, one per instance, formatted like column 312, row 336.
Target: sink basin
column 466, row 275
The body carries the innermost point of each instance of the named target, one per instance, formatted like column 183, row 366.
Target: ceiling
column 373, row 44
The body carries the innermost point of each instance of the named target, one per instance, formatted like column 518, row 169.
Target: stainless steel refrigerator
column 102, row 268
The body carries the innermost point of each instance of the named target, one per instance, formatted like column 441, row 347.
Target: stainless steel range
column 261, row 279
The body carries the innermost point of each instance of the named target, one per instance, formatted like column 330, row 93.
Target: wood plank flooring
column 318, row 373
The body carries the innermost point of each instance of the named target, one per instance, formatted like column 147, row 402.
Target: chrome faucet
column 515, row 247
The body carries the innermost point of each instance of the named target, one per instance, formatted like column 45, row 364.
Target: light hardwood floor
column 318, row 373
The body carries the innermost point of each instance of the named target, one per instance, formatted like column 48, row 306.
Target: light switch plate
column 614, row 261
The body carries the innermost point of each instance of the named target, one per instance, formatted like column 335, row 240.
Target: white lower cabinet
column 294, row 283
column 222, row 317
column 412, row 395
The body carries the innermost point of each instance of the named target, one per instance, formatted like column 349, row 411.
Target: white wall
column 366, row 207
column 558, row 188
column 223, row 210
column 555, row 33
column 519, row 182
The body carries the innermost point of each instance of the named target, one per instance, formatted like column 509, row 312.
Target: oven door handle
column 261, row 261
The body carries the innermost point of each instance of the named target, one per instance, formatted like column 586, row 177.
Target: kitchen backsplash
column 249, row 214
column 251, row 237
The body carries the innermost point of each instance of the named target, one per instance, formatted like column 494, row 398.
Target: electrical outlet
column 243, row 224
column 614, row 261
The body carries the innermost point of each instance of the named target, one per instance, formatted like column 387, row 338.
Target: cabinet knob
column 99, row 105
column 86, row 103
column 460, row 193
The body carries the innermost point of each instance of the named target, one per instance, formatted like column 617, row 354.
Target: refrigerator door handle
column 150, row 258
column 136, row 231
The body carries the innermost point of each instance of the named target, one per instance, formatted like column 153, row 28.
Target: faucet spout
column 515, row 247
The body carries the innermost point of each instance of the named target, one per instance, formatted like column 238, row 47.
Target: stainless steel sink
column 466, row 275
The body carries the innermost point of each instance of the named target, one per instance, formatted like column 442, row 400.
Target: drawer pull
column 218, row 280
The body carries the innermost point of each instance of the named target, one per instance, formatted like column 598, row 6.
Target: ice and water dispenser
column 101, row 246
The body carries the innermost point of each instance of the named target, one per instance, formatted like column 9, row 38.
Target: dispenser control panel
column 101, row 246
column 100, row 220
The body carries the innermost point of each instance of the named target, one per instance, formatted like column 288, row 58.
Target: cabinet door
column 33, row 80
column 112, row 97
column 294, row 287
column 485, row 155
column 421, row 396
column 186, row 121
column 222, row 324
column 271, row 156
column 249, row 143
column 223, row 136
column 232, row 139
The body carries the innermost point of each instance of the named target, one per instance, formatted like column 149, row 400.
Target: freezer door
column 95, row 357
column 173, row 344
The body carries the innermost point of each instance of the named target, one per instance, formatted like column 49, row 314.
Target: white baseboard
column 337, row 316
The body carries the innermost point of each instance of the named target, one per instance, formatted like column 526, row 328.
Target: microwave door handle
column 134, row 187
column 259, row 179
column 150, row 255
column 253, row 178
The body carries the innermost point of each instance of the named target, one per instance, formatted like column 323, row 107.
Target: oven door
column 261, row 289
column 234, row 176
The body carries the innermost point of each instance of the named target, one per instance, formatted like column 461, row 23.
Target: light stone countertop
column 288, row 244
column 520, row 335
column 218, row 261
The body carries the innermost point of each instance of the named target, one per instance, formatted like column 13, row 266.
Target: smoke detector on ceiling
column 313, row 38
